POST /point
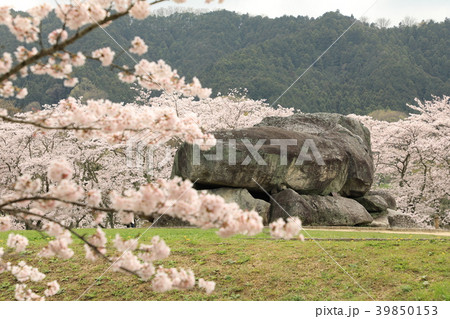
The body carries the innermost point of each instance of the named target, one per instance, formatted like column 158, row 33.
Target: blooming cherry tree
column 412, row 157
column 50, row 198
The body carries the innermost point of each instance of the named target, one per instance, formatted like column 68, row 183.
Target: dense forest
column 369, row 68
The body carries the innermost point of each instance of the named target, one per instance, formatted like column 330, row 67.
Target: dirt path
column 435, row 232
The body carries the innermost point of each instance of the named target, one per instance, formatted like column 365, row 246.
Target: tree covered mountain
column 367, row 69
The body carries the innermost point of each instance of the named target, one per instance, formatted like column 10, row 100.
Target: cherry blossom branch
column 58, row 47
column 62, row 45
column 46, row 127
column 45, row 198
column 18, row 212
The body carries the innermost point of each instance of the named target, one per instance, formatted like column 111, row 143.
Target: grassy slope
column 262, row 269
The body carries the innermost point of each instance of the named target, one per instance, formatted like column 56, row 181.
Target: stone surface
column 373, row 203
column 269, row 173
column 318, row 210
column 347, row 134
column 389, row 199
column 399, row 220
column 380, row 221
column 169, row 221
column 244, row 199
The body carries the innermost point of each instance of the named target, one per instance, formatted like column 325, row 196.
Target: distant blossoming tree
column 37, row 197
column 412, row 158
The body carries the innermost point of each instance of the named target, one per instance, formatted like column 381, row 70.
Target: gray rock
column 169, row 221
column 373, row 203
column 348, row 134
column 380, row 221
column 269, row 172
column 318, row 210
column 400, row 220
column 389, row 199
column 244, row 199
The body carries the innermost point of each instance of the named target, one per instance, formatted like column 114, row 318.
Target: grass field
column 259, row 268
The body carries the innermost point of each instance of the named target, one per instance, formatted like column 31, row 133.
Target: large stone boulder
column 169, row 221
column 347, row 134
column 400, row 220
column 318, row 210
column 388, row 198
column 381, row 220
column 244, row 199
column 373, row 203
column 269, row 168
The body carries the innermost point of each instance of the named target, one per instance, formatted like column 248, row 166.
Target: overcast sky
column 395, row 10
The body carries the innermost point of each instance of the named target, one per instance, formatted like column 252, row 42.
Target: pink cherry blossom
column 53, row 288
column 99, row 241
column 285, row 230
column 5, row 16
column 176, row 198
column 40, row 12
column 23, row 294
column 22, row 53
column 182, row 279
column 125, row 218
column 67, row 190
column 140, row 10
column 6, row 89
column 74, row 16
column 5, row 223
column 23, row 73
column 138, row 46
column 127, row 77
column 60, row 246
column 23, row 272
column 78, row 59
column 157, row 251
column 98, row 217
column 146, row 271
column 18, row 242
column 59, row 170
column 58, row 35
column 209, row 286
column 25, row 184
column 71, row 82
column 24, row 29
column 122, row 5
column 22, row 93
column 90, row 253
column 37, row 213
column 161, row 282
column 127, row 261
column 105, row 4
column 96, row 12
column 5, row 63
column 124, row 245
column 94, row 197
column 105, row 55
column 57, row 248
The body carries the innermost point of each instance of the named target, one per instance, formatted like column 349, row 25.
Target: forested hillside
column 368, row 69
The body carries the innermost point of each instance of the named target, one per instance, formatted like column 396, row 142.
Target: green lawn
column 260, row 268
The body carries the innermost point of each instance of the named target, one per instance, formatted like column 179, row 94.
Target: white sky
column 395, row 10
